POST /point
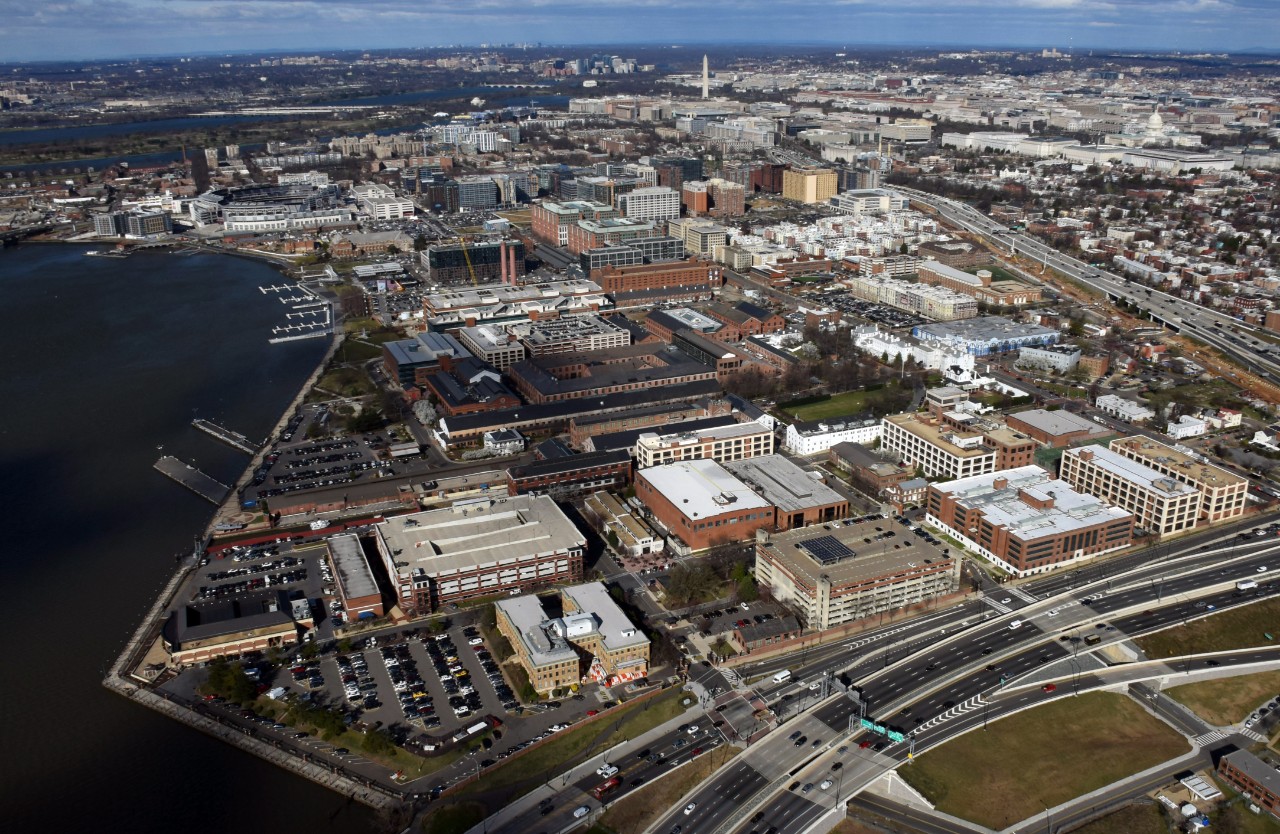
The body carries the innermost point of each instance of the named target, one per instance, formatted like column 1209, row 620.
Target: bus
column 605, row 787
column 783, row 676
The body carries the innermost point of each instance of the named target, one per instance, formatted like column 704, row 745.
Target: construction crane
column 462, row 240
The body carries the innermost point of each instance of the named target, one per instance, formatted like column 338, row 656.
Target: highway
column 979, row 670
column 1229, row 335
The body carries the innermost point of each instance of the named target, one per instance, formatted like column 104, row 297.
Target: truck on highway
column 1246, row 585
column 783, row 676
column 604, row 787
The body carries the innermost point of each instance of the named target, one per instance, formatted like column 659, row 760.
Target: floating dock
column 226, row 435
column 314, row 334
column 193, row 479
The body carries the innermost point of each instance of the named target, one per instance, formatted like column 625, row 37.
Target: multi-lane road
column 977, row 670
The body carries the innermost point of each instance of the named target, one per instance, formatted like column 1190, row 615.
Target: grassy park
column 1042, row 757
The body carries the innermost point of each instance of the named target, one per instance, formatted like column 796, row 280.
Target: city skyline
column 83, row 30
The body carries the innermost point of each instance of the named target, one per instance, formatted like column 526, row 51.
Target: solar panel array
column 827, row 550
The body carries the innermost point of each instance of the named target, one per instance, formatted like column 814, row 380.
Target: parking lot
column 437, row 684
column 243, row 569
column 294, row 467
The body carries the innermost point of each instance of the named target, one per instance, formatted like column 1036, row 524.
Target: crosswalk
column 1205, row 739
column 1025, row 596
column 1003, row 609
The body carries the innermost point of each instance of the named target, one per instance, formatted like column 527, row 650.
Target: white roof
column 702, row 488
column 1135, row 472
column 1006, row 507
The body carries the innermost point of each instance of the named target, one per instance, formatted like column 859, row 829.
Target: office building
column 721, row 443
column 1060, row 359
column 1161, row 505
column 798, row 497
column 1225, row 493
column 985, row 335
column 947, row 448
column 551, row 221
column 545, row 379
column 570, row 335
column 592, row 640
column 503, row 304
column 565, row 476
column 978, row 285
column 478, row 548
column 480, row 262
column 408, row 361
column 1025, row 521
column 353, row 579
column 938, row 303
column 1055, row 428
column 494, row 345
column 1122, row 409
column 841, row 572
column 870, row 201
column 653, row 203
column 818, row 437
column 700, row 237
column 809, row 185
column 624, row 531
column 702, row 505
column 1254, row 778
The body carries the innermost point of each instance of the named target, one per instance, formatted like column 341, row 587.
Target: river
column 109, row 360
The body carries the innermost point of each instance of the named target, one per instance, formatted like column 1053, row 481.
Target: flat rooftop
column 1130, row 470
column 1058, row 422
column 476, row 533
column 616, row 629
column 687, row 436
column 983, row 328
column 1008, row 506
column 783, row 484
column 944, row 437
column 1181, row 462
column 557, row 331
column 353, row 572
column 853, row 552
column 589, row 610
column 702, row 488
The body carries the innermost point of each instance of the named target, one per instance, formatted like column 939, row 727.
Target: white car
column 688, row 809
column 476, row 641
column 825, row 784
column 606, row 770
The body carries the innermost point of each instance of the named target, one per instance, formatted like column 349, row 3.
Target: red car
column 593, row 712
column 864, row 744
column 697, row 751
column 1049, row 687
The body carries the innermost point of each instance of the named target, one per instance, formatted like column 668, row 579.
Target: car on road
column 825, row 784
column 688, row 809
column 580, row 812
column 864, row 744
column 800, row 741
column 1049, row 687
column 808, row 786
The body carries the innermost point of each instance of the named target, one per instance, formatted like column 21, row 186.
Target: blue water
column 107, row 360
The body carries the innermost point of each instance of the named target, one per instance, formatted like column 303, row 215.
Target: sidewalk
column 532, row 799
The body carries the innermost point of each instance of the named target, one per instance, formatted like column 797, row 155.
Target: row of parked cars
column 358, row 685
column 416, row 704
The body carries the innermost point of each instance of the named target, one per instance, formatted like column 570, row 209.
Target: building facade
column 1160, row 504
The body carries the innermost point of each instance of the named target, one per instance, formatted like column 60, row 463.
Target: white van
column 1014, row 624
column 783, row 676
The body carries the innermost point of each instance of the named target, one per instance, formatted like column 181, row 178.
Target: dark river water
column 109, row 360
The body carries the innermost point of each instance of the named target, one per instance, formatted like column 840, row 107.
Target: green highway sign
column 896, row 736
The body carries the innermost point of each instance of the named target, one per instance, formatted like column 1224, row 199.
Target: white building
column 954, row 364
column 1187, row 426
column 819, row 437
column 1059, row 358
column 869, row 201
column 654, row 203
column 722, row 443
column 504, row 442
column 1123, row 409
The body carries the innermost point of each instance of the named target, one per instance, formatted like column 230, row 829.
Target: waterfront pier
column 226, row 435
column 193, row 479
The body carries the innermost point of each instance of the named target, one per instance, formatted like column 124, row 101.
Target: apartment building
column 869, row 201
column 1025, row 521
column 938, row 303
column 700, row 237
column 721, row 443
column 818, row 437
column 550, row 221
column 1160, row 504
column 1225, row 494
column 979, row 285
column 843, row 571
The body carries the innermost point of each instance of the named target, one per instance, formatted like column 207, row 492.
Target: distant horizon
column 693, row 48
column 89, row 30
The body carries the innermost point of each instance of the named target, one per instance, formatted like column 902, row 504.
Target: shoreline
column 127, row 678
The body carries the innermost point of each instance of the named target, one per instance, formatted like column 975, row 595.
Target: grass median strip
column 1042, row 757
column 1235, row 628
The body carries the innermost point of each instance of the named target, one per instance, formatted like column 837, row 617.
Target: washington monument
column 706, row 79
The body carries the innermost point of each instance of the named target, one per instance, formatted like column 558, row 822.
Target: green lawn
column 998, row 273
column 1042, row 757
column 1229, row 700
column 1235, row 628
column 839, row 405
column 455, row 818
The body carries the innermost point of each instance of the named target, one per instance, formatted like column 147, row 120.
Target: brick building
column 702, row 504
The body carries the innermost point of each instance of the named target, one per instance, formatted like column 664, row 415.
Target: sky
column 34, row 30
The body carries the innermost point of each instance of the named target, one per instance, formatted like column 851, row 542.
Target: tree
column 369, row 419
column 691, row 583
